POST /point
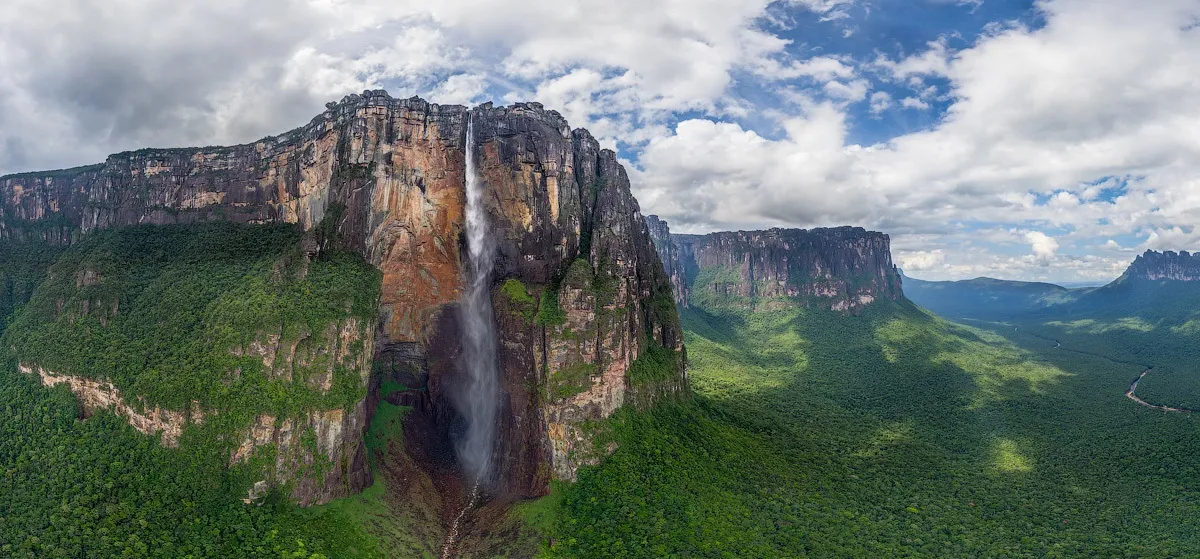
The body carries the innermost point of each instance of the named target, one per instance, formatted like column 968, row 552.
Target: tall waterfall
column 478, row 399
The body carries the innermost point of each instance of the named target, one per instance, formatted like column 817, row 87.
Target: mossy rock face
column 519, row 299
column 579, row 275
column 570, row 381
column 550, row 311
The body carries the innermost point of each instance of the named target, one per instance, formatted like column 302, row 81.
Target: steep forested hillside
column 157, row 309
column 95, row 488
column 155, row 312
column 23, row 266
column 814, row 432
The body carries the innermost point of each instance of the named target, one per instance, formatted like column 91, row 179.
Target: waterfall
column 478, row 398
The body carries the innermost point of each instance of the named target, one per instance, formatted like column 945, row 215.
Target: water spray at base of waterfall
column 477, row 399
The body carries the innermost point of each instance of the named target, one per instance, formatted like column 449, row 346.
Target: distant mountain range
column 986, row 297
column 1149, row 284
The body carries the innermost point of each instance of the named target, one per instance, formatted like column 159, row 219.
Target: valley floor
column 893, row 434
column 812, row 434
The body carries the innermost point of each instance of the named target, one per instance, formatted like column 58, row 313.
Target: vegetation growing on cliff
column 570, row 381
column 550, row 313
column 658, row 364
column 163, row 312
column 96, row 488
column 520, row 299
column 893, row 434
column 159, row 311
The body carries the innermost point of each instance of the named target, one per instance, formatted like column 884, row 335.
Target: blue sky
column 1048, row 140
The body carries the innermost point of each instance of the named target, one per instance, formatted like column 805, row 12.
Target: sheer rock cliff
column 385, row 178
column 842, row 268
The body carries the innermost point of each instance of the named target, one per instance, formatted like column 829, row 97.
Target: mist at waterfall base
column 476, row 399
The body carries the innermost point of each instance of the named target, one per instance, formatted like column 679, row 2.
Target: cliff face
column 96, row 395
column 672, row 257
column 209, row 334
column 842, row 268
column 385, row 178
column 1169, row 265
column 388, row 173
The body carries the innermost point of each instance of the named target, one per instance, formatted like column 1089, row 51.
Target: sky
column 1038, row 140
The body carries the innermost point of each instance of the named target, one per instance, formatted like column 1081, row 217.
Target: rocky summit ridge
column 1169, row 265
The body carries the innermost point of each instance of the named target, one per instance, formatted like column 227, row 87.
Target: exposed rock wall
column 843, row 268
column 672, row 257
column 97, row 395
column 388, row 172
column 312, row 357
column 1169, row 265
column 385, row 177
column 569, row 231
column 322, row 454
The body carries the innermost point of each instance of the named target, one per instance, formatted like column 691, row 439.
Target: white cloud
column 822, row 6
column 1044, row 246
column 718, row 175
column 921, row 260
column 819, row 67
column 1036, row 118
column 880, row 101
column 86, row 79
column 1173, row 238
column 934, row 61
column 853, row 91
column 1084, row 130
column 460, row 89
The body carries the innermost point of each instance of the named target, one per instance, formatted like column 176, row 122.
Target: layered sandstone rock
column 321, row 454
column 387, row 172
column 346, row 344
column 672, row 257
column 843, row 268
column 385, row 177
column 97, row 395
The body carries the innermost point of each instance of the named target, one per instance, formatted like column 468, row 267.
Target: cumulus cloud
column 819, row 67
column 921, row 260
column 934, row 61
column 82, row 79
column 852, row 91
column 460, row 89
column 1038, row 118
column 880, row 101
column 1044, row 246
column 1082, row 130
column 1173, row 238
